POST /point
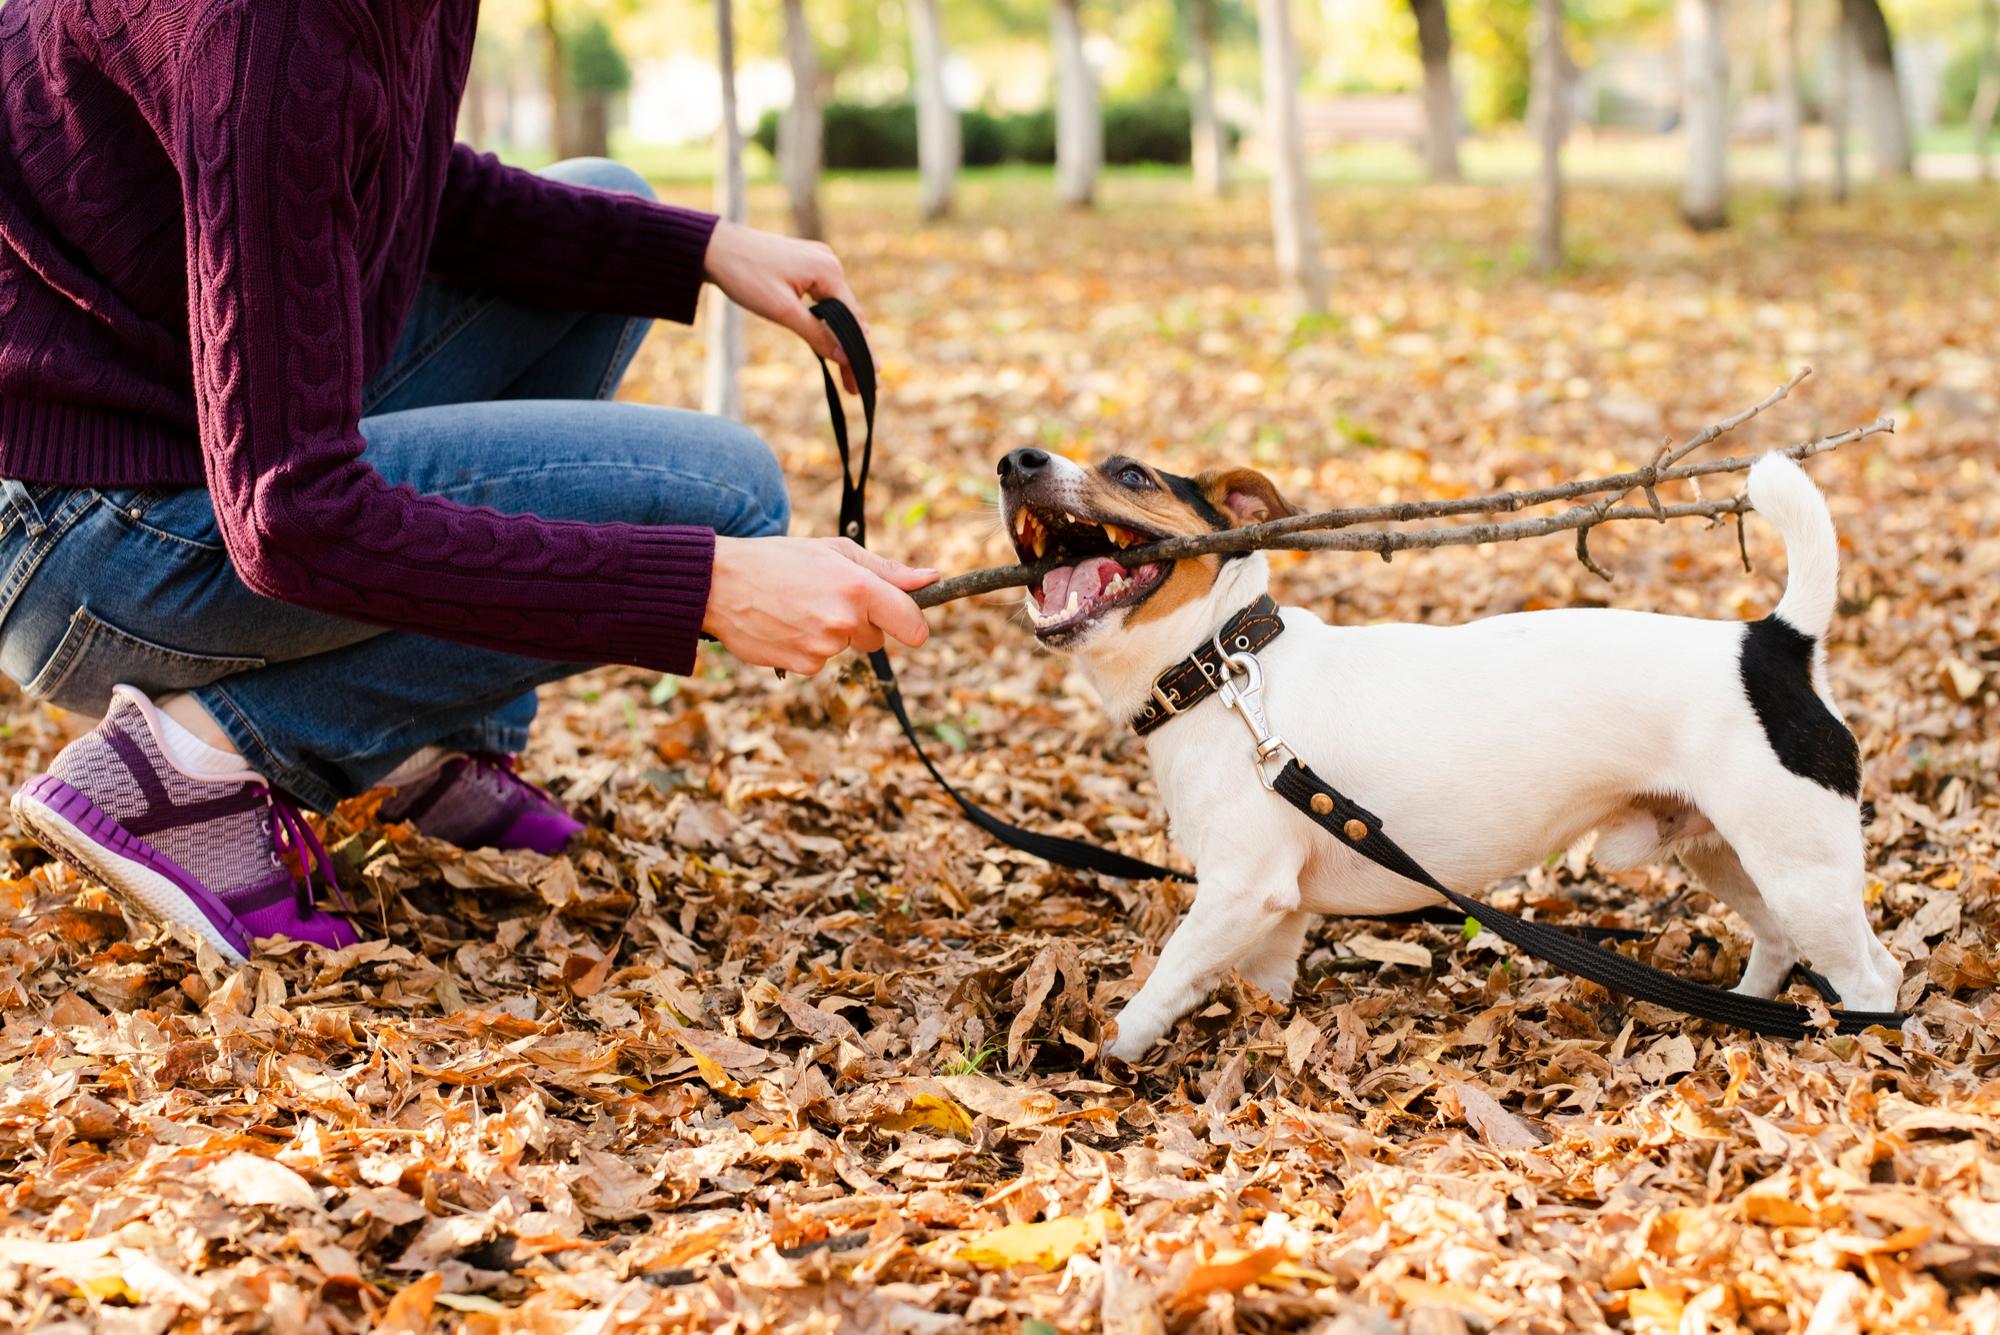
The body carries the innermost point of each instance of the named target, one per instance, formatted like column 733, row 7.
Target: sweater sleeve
column 268, row 162
column 556, row 244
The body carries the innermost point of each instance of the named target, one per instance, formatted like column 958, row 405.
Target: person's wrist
column 721, row 243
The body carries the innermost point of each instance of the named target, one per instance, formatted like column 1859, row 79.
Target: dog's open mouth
column 1088, row 582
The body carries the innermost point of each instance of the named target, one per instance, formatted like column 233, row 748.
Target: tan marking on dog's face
column 1235, row 497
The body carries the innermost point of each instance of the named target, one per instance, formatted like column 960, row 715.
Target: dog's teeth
column 1121, row 535
column 1070, row 517
column 1069, row 607
column 1041, row 542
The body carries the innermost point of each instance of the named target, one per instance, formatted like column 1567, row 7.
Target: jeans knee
column 601, row 174
column 764, row 479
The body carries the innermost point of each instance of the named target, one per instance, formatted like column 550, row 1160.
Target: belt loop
column 16, row 495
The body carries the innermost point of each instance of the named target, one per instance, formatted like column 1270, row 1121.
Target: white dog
column 1483, row 748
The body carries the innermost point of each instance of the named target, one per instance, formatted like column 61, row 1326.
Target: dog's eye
column 1131, row 475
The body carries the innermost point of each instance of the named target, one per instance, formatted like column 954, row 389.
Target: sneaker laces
column 298, row 850
column 502, row 767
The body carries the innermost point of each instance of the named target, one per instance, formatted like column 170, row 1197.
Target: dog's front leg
column 1240, row 902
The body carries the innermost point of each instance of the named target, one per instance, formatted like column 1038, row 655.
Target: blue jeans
column 483, row 401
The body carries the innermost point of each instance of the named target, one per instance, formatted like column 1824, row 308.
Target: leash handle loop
column 834, row 314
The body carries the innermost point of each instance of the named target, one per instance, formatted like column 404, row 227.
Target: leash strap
column 1076, row 854
column 1574, row 953
column 1358, row 828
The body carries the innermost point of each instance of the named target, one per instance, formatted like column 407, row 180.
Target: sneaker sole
column 145, row 881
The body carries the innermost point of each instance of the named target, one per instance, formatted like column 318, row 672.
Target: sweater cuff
column 668, row 572
column 663, row 254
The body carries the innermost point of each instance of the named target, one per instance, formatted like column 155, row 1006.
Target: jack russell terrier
column 1484, row 748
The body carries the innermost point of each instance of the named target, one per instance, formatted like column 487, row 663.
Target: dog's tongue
column 1086, row 579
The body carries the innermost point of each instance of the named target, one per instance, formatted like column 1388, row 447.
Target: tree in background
column 1704, row 114
column 1549, row 113
column 1881, row 94
column 1210, row 143
column 555, row 74
column 722, row 389
column 800, row 130
column 938, row 144
column 1079, row 124
column 1987, row 100
column 1840, row 110
column 1440, row 93
column 597, row 73
column 1299, row 267
column 1785, row 78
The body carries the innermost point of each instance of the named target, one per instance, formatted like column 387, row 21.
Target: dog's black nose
column 1023, row 463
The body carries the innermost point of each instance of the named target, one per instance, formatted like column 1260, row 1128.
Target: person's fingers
column 892, row 610
column 904, row 577
column 866, row 638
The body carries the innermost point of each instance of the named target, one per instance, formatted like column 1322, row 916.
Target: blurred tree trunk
column 938, row 147
column 472, row 108
column 1987, row 100
column 799, row 130
column 1079, row 124
column 1440, row 94
column 1840, row 110
column 593, row 127
column 1704, row 114
column 1881, row 93
column 1550, row 113
column 555, row 73
column 1292, row 226
column 722, row 391
column 1785, row 74
column 1211, row 137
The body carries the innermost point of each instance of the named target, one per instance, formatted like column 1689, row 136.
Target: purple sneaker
column 212, row 853
column 477, row 801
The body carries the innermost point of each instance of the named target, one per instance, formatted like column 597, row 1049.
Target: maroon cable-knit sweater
column 214, row 215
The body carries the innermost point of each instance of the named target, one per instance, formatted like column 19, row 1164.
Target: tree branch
column 1312, row 532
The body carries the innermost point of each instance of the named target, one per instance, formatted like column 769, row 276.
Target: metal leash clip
column 1247, row 701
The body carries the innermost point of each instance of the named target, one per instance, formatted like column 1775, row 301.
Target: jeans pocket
column 93, row 656
column 182, row 517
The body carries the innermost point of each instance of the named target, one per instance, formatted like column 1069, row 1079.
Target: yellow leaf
column 930, row 1112
column 102, row 1287
column 1653, row 1310
column 1047, row 1244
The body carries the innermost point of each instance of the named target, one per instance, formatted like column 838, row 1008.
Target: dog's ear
column 1244, row 496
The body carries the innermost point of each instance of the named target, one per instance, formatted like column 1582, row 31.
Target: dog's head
column 1081, row 515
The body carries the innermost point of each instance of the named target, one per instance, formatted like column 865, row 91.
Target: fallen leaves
column 1047, row 1244
column 787, row 1045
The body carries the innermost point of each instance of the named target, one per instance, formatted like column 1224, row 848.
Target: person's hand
column 778, row 277
column 793, row 603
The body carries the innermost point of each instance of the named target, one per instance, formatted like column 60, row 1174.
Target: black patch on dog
column 1185, row 488
column 1810, row 741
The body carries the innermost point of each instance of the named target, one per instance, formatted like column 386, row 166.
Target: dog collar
column 1192, row 680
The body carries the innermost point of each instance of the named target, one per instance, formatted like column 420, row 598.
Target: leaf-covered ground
column 786, row 1045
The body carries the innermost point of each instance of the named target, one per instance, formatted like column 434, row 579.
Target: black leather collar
column 1193, row 679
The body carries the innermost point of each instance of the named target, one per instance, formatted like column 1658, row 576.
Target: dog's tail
column 1783, row 493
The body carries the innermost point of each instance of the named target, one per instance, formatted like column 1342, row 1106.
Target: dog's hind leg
column 1803, row 853
column 1721, row 873
column 1242, row 900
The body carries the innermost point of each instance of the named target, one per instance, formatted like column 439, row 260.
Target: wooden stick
column 1310, row 532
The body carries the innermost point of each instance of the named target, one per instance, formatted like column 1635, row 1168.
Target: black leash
column 1575, row 952
column 1076, row 854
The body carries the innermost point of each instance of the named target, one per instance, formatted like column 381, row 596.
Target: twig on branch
column 1319, row 532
